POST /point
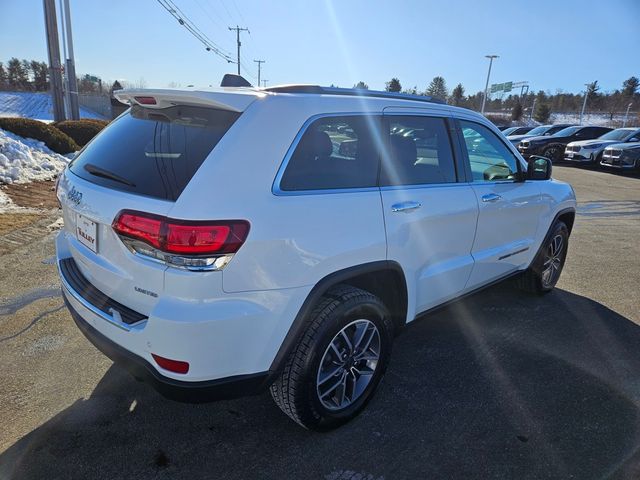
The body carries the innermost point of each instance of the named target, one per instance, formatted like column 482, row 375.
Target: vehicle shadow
column 499, row 385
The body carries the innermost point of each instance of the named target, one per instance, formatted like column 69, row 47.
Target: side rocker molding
column 299, row 323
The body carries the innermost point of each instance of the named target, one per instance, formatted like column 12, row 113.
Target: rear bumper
column 193, row 392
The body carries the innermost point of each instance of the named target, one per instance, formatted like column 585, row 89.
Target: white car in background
column 222, row 242
column 589, row 152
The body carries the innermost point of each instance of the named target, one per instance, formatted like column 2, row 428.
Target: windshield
column 538, row 130
column 509, row 131
column 566, row 132
column 153, row 152
column 619, row 134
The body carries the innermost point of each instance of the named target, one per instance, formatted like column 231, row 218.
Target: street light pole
column 584, row 104
column 624, row 122
column 486, row 87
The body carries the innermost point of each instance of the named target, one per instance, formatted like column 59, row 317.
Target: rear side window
column 419, row 152
column 153, row 152
column 334, row 152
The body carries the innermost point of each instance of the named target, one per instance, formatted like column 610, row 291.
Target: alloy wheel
column 553, row 261
column 348, row 364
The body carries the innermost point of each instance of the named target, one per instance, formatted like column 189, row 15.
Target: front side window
column 489, row 158
column 419, row 152
column 334, row 153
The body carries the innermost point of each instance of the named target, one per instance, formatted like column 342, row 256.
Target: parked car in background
column 516, row 131
column 544, row 130
column 553, row 146
column 622, row 156
column 589, row 152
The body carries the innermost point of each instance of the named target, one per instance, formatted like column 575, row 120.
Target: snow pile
column 5, row 201
column 34, row 105
column 25, row 160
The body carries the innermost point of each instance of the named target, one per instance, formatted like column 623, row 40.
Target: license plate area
column 87, row 232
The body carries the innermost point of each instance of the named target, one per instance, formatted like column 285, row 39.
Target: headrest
column 316, row 144
column 403, row 149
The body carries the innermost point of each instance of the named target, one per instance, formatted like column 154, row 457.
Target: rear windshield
column 153, row 152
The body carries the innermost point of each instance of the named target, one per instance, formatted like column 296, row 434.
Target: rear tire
column 347, row 343
column 544, row 272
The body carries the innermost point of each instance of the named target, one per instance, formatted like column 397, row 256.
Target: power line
column 184, row 20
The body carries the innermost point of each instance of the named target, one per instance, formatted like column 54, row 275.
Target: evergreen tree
column 361, row 85
column 40, row 72
column 116, row 86
column 3, row 76
column 516, row 112
column 457, row 95
column 393, row 85
column 16, row 75
column 438, row 88
column 630, row 87
column 542, row 112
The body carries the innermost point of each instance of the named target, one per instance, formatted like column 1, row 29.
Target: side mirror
column 539, row 168
column 634, row 139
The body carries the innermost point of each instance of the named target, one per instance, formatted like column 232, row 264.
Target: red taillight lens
column 176, row 366
column 140, row 227
column 145, row 100
column 183, row 237
column 194, row 239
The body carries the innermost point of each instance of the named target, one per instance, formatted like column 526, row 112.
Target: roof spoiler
column 236, row 101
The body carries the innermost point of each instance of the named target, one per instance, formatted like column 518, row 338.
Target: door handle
column 405, row 207
column 491, row 197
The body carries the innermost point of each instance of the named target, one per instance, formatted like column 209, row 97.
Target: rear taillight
column 184, row 243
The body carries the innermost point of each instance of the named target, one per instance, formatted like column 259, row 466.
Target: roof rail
column 352, row 92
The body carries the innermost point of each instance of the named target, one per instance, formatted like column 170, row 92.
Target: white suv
column 221, row 242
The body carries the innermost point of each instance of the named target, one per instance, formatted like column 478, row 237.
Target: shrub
column 542, row 112
column 53, row 138
column 81, row 131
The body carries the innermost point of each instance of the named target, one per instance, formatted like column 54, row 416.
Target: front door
column 508, row 207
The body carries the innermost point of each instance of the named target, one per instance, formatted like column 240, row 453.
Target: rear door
column 508, row 208
column 141, row 162
column 430, row 218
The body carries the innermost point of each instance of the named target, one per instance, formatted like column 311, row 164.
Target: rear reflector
column 145, row 100
column 175, row 366
column 182, row 237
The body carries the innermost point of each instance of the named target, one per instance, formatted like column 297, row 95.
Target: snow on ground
column 38, row 106
column 25, row 159
column 5, row 201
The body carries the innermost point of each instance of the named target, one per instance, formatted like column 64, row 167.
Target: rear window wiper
column 101, row 172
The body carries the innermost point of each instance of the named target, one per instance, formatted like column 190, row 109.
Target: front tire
column 543, row 274
column 553, row 153
column 336, row 367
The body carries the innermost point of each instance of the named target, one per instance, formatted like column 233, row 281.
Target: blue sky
column 558, row 44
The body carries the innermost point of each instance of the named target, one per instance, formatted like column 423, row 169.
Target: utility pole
column 259, row 62
column 238, row 30
column 72, row 82
column 486, row 87
column 584, row 104
column 264, row 83
column 53, row 49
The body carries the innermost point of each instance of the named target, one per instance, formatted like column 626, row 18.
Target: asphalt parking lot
column 499, row 385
